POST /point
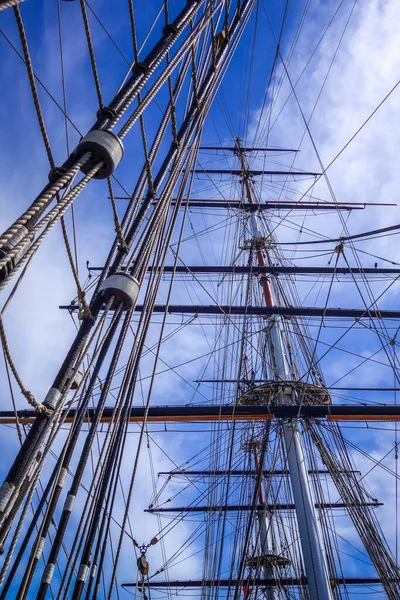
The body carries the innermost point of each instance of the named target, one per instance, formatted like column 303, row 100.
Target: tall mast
column 264, row 516
column 313, row 553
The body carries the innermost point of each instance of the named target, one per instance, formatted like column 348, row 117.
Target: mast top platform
column 271, row 392
column 277, row 560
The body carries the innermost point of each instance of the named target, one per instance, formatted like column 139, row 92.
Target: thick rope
column 50, row 220
column 40, row 408
column 33, row 484
column 32, row 83
column 42, row 201
column 83, row 304
column 81, row 294
column 18, row 424
column 8, row 3
column 91, row 53
column 155, row 64
column 117, row 225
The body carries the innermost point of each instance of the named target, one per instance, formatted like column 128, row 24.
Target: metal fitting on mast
column 123, row 287
column 106, row 148
column 76, row 376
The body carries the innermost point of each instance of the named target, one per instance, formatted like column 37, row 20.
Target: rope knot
column 122, row 245
column 39, row 408
column 84, row 311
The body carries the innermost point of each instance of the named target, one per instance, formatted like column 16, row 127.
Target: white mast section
column 264, row 516
column 311, row 542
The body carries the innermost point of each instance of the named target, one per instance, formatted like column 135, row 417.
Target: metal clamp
column 105, row 146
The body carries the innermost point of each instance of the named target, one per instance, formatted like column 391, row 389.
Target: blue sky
column 364, row 70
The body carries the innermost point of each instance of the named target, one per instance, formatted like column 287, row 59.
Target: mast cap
column 124, row 287
column 105, row 146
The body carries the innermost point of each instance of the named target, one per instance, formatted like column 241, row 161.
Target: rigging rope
column 39, row 408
